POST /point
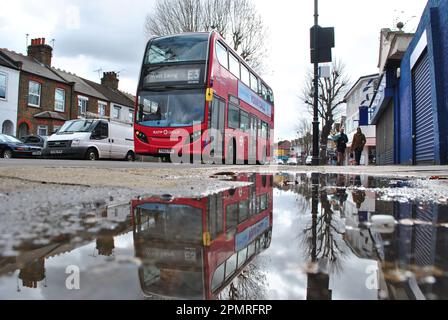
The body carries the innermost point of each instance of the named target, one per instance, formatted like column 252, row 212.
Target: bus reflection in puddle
column 194, row 248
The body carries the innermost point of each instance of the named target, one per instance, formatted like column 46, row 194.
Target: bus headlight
column 141, row 136
column 76, row 142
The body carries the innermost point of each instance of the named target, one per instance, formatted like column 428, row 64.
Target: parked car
column 309, row 160
column 11, row 147
column 92, row 140
column 37, row 141
column 280, row 162
column 293, row 162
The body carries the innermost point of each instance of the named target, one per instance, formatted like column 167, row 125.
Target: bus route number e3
column 234, row 310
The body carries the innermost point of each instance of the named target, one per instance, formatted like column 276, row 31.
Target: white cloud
column 357, row 26
column 109, row 34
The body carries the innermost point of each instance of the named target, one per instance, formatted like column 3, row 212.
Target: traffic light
column 326, row 41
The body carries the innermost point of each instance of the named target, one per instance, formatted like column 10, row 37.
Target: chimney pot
column 110, row 80
column 39, row 51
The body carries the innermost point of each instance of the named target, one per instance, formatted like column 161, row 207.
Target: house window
column 102, row 109
column 59, row 100
column 3, row 82
column 34, row 94
column 131, row 115
column 42, row 131
column 82, row 105
column 116, row 112
column 56, row 128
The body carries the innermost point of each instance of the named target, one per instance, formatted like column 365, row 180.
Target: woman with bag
column 359, row 142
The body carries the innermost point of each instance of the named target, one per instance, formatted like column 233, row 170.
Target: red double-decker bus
column 194, row 248
column 197, row 98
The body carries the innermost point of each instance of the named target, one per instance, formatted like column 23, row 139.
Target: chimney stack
column 40, row 51
column 110, row 80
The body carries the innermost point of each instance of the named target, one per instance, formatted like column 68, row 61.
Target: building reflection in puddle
column 196, row 248
column 96, row 222
column 353, row 256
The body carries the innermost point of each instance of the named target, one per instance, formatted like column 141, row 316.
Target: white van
column 92, row 140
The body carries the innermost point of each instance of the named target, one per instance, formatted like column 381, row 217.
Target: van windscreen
column 77, row 126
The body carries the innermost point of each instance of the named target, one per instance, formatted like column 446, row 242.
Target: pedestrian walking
column 341, row 146
column 359, row 142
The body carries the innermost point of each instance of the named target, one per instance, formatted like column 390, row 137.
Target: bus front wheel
column 263, row 159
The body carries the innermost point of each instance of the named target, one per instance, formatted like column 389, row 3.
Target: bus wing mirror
column 209, row 95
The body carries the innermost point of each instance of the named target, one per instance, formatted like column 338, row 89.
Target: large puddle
column 283, row 237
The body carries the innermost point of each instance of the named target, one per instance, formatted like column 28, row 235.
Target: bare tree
column 238, row 21
column 324, row 239
column 216, row 15
column 250, row 284
column 175, row 16
column 248, row 32
column 305, row 134
column 331, row 98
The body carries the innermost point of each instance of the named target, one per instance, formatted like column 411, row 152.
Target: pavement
column 28, row 185
column 163, row 178
column 42, row 197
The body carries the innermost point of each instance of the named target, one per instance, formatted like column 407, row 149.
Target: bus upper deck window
column 234, row 65
column 245, row 75
column 270, row 96
column 254, row 83
column 221, row 52
column 264, row 92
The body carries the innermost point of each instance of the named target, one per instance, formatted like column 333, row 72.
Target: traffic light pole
column 316, row 149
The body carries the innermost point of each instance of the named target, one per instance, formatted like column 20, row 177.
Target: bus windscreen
column 175, row 49
column 180, row 108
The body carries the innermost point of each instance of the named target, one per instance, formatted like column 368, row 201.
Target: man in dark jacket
column 359, row 142
column 341, row 146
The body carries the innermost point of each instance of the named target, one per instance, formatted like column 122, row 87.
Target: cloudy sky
column 108, row 35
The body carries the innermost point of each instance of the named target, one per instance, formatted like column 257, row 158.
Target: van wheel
column 92, row 155
column 7, row 154
column 166, row 159
column 130, row 156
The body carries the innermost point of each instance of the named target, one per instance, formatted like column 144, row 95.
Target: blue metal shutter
column 424, row 124
column 425, row 235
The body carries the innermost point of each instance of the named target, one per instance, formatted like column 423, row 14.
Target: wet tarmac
column 285, row 236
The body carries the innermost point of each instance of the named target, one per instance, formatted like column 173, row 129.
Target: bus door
column 253, row 139
column 218, row 108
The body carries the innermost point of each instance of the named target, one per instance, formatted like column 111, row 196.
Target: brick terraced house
column 49, row 96
column 44, row 97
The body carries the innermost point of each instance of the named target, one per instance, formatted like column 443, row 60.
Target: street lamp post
column 316, row 148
